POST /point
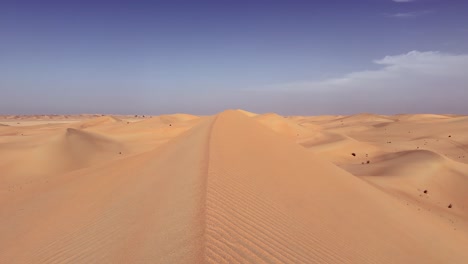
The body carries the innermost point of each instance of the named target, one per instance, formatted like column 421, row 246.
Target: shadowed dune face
column 235, row 187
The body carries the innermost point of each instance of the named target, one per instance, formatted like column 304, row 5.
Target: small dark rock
column 425, row 191
column 449, row 206
column 368, row 162
column 354, row 154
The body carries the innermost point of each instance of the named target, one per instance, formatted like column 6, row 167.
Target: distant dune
column 236, row 187
column 421, row 117
column 284, row 125
column 98, row 121
column 167, row 120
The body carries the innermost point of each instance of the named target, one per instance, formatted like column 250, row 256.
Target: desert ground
column 235, row 187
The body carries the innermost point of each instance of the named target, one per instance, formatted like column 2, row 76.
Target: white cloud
column 411, row 14
column 411, row 67
column 413, row 82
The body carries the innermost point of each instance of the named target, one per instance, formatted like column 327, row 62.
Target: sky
column 202, row 57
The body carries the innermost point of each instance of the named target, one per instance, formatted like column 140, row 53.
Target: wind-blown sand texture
column 236, row 187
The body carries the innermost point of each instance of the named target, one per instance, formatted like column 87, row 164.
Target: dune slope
column 68, row 150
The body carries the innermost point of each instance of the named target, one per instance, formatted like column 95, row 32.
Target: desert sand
column 236, row 187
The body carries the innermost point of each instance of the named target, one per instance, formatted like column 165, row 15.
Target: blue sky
column 201, row 57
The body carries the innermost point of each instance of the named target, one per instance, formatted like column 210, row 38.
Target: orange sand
column 236, row 187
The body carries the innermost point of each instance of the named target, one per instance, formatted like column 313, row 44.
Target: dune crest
column 247, row 113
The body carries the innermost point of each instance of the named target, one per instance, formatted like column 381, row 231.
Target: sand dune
column 69, row 150
column 283, row 125
column 149, row 133
column 462, row 119
column 366, row 117
column 421, row 117
column 247, row 113
column 412, row 172
column 235, row 187
column 97, row 122
column 166, row 120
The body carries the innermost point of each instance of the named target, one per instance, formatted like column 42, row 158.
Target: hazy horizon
column 289, row 57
